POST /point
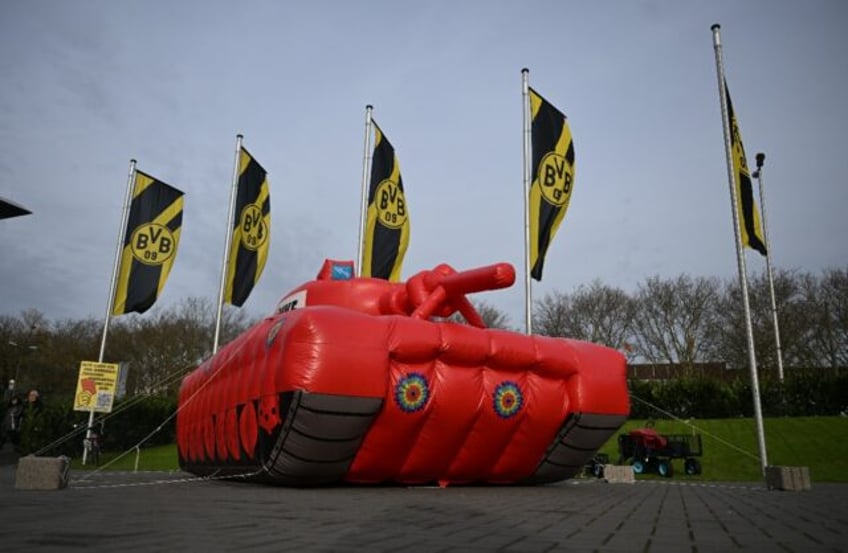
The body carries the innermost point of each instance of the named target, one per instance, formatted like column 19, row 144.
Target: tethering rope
column 168, row 379
column 699, row 429
column 183, row 480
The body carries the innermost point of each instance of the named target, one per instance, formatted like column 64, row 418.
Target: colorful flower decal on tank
column 412, row 392
column 507, row 399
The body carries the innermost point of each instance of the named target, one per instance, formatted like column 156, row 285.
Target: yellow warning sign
column 96, row 387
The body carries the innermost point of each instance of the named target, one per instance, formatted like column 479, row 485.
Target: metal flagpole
column 761, row 157
column 528, row 299
column 110, row 303
column 225, row 264
column 740, row 255
column 118, row 251
column 366, row 163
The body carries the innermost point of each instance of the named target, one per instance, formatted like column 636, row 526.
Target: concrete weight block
column 619, row 474
column 788, row 478
column 42, row 473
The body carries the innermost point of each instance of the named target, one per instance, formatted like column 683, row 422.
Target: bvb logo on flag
column 391, row 205
column 555, row 175
column 152, row 244
column 254, row 232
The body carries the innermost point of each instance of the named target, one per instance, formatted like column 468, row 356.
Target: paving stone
column 126, row 511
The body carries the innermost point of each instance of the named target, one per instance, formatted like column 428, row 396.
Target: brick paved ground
column 112, row 511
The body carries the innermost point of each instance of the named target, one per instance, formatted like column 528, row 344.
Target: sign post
column 95, row 392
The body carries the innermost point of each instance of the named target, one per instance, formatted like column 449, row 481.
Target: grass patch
column 161, row 458
column 815, row 442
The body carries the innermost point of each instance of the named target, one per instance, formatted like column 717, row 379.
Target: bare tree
column 595, row 313
column 23, row 347
column 683, row 320
column 550, row 314
column 161, row 348
column 33, row 320
column 826, row 303
column 62, row 345
column 675, row 319
column 491, row 315
column 731, row 343
column 10, row 330
column 835, row 288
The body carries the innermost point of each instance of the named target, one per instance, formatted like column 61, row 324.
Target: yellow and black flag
column 387, row 220
column 749, row 216
column 152, row 235
column 552, row 161
column 251, row 230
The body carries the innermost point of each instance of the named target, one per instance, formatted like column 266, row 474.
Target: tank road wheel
column 638, row 466
column 665, row 468
column 692, row 466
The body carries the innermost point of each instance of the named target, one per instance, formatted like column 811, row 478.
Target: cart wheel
column 665, row 468
column 638, row 467
column 692, row 466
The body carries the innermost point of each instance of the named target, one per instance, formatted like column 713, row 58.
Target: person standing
column 12, row 419
column 32, row 423
column 10, row 391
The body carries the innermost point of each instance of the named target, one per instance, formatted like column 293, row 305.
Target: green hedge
column 59, row 429
column 802, row 393
column 44, row 426
column 128, row 427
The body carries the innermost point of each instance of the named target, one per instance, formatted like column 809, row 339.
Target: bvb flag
column 552, row 159
column 150, row 244
column 749, row 217
column 251, row 230
column 387, row 220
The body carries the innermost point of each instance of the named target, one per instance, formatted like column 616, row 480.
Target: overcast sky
column 87, row 85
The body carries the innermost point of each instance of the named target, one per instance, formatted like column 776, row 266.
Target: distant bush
column 44, row 426
column 58, row 430
column 802, row 393
column 135, row 422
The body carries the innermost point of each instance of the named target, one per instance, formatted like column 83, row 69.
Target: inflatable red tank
column 363, row 381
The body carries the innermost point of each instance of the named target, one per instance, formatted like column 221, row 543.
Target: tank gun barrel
column 442, row 291
column 490, row 277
